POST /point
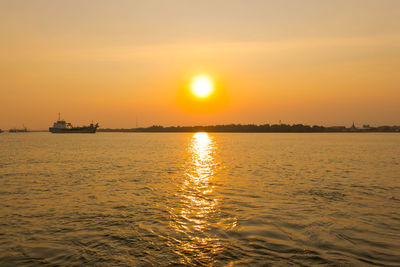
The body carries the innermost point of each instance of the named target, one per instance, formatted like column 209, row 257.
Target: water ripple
column 199, row 200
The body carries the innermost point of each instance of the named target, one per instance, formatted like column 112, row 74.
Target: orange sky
column 314, row 62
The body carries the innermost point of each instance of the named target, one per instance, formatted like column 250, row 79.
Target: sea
column 200, row 199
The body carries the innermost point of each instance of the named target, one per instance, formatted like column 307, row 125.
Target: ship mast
column 59, row 116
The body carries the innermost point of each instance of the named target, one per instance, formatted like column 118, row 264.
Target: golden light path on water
column 195, row 218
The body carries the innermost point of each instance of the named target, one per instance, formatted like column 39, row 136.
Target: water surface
column 140, row 199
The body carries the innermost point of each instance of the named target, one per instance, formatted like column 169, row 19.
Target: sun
column 202, row 86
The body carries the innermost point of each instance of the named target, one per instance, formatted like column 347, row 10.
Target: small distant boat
column 15, row 130
column 61, row 126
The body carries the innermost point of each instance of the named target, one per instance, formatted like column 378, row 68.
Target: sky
column 128, row 63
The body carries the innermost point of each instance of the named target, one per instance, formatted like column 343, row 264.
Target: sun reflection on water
column 197, row 216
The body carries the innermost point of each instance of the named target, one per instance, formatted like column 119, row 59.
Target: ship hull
column 74, row 130
column 17, row 131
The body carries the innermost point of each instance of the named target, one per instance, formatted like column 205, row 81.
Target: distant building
column 366, row 127
column 353, row 128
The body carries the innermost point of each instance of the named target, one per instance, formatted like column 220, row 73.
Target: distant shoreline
column 252, row 128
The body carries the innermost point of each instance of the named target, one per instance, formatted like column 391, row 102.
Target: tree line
column 254, row 128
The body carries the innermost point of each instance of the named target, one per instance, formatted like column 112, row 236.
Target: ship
column 1, row 131
column 61, row 126
column 15, row 130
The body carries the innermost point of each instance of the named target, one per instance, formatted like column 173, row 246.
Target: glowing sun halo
column 202, row 86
